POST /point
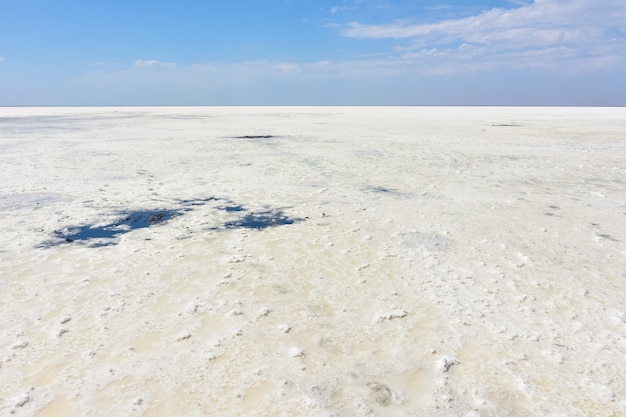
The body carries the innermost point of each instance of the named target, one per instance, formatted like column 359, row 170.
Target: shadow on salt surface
column 106, row 235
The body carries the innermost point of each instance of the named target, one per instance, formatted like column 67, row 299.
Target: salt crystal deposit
column 375, row 261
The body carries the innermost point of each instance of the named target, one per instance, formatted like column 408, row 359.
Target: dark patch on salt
column 196, row 202
column 608, row 237
column 506, row 125
column 262, row 220
column 141, row 219
column 385, row 190
column 255, row 137
column 105, row 235
column 233, row 208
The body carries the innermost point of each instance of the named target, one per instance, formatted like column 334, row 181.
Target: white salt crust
column 439, row 261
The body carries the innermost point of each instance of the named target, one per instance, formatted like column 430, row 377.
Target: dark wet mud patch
column 197, row 202
column 262, row 220
column 607, row 237
column 99, row 235
column 506, row 125
column 232, row 208
column 377, row 192
column 381, row 190
column 106, row 235
column 255, row 137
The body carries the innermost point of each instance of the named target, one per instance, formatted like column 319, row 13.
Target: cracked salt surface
column 405, row 264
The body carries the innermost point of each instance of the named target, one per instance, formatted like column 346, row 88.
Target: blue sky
column 313, row 52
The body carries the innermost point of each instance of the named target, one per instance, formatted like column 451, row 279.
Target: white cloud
column 349, row 5
column 399, row 79
column 153, row 63
column 2, row 59
column 340, row 9
column 287, row 68
column 591, row 31
column 558, row 16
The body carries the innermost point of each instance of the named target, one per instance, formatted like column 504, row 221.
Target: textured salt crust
column 451, row 261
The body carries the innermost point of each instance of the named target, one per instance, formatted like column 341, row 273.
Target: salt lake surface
column 313, row 261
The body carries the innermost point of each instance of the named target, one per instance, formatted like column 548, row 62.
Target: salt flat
column 313, row 261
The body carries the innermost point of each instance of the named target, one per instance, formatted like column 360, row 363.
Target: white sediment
column 435, row 262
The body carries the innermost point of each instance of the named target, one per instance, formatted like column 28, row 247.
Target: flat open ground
column 313, row 261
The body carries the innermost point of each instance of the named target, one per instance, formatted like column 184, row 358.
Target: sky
column 313, row 52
